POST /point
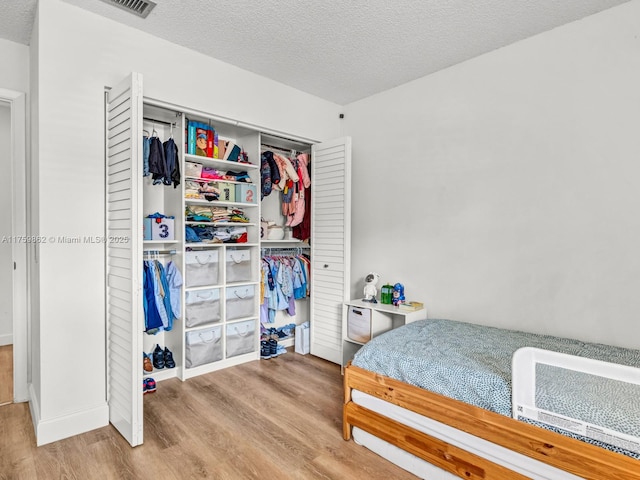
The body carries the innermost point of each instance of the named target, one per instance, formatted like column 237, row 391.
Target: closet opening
column 13, row 250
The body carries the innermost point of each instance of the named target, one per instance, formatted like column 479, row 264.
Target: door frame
column 21, row 321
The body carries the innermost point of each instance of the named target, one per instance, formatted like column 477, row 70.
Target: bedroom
column 522, row 159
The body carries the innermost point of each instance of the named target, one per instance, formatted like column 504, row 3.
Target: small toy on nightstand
column 370, row 290
column 398, row 294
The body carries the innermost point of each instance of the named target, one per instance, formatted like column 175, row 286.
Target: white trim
column 6, row 339
column 17, row 101
column 59, row 428
column 229, row 121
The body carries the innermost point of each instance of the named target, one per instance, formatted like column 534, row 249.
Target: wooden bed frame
column 574, row 456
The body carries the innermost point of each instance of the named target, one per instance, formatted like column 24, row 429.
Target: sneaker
column 151, row 385
column 147, row 366
column 273, row 347
column 265, row 350
column 145, row 386
column 158, row 357
column 168, row 358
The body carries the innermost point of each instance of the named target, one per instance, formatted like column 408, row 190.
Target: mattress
column 472, row 363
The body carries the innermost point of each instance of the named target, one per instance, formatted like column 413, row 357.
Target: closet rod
column 159, row 252
column 173, row 124
column 280, row 149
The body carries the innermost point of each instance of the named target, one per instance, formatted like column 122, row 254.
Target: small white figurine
column 370, row 290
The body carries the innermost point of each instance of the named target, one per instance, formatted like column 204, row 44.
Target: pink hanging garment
column 305, row 182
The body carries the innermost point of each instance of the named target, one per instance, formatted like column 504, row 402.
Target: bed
column 435, row 397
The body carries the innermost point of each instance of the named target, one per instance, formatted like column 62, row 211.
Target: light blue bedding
column 472, row 363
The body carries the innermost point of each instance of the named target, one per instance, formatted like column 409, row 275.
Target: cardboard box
column 227, row 192
column 146, row 229
column 246, row 193
column 162, row 229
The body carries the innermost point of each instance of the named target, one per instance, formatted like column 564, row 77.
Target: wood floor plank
column 6, row 374
column 278, row 419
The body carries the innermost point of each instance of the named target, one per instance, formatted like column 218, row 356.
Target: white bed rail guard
column 524, row 368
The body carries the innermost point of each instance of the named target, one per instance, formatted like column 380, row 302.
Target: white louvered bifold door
column 330, row 245
column 125, row 316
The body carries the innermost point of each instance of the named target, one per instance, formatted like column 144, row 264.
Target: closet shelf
column 217, row 163
column 207, row 180
column 222, row 224
column 218, row 203
column 159, row 242
column 286, row 243
column 204, row 287
column 217, row 245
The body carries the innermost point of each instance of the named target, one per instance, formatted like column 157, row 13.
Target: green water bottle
column 386, row 294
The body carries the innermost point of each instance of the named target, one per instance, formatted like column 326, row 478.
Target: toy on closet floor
column 398, row 294
column 370, row 290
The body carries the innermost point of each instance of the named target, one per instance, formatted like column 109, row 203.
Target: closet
column 208, row 228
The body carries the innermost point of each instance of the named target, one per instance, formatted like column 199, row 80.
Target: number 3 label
column 164, row 230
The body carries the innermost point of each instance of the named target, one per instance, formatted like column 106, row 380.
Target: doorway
column 13, row 249
column 6, row 263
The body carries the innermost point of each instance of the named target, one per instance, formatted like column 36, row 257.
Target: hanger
column 146, row 132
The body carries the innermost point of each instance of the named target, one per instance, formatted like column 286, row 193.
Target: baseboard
column 34, row 407
column 6, row 339
column 52, row 430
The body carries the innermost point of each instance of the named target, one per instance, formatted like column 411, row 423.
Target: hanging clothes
column 297, row 212
column 284, row 279
column 146, row 141
column 302, row 231
column 160, row 310
column 172, row 163
column 157, row 162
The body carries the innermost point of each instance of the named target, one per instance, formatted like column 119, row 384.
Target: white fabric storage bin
column 241, row 338
column 240, row 301
column 203, row 346
column 202, row 307
column 192, row 169
column 359, row 324
column 201, row 268
column 238, row 265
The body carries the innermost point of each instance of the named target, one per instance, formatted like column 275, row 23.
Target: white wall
column 504, row 190
column 6, row 267
column 78, row 55
column 14, row 66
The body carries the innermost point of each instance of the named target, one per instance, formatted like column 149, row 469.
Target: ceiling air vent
column 142, row 8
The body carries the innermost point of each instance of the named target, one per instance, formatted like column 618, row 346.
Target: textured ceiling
column 338, row 50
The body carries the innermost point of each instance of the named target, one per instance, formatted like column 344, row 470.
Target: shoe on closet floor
column 149, row 385
column 273, row 347
column 158, row 357
column 265, row 350
column 168, row 358
column 147, row 366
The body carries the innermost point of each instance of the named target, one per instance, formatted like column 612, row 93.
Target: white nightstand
column 382, row 318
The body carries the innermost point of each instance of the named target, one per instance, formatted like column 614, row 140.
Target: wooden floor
column 6, row 374
column 270, row 419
